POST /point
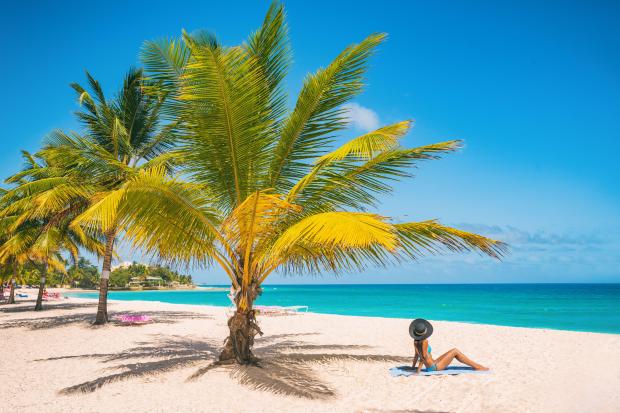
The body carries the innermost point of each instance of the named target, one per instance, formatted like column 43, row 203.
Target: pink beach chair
column 51, row 296
column 133, row 319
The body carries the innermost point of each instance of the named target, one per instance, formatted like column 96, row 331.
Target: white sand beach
column 55, row 361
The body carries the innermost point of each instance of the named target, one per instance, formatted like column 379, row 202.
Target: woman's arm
column 415, row 360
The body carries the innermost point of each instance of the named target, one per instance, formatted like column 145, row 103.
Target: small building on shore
column 142, row 283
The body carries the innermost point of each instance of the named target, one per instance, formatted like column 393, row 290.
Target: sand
column 55, row 361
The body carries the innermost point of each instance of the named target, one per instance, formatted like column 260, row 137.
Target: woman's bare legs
column 445, row 359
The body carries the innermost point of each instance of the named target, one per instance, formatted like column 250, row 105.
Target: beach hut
column 153, row 281
column 139, row 283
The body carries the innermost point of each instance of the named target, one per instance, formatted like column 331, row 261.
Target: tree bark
column 39, row 305
column 242, row 330
column 102, row 307
column 12, row 295
column 13, row 284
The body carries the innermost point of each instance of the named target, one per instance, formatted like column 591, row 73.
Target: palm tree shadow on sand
column 287, row 366
column 86, row 319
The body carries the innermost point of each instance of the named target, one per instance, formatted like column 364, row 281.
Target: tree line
column 86, row 275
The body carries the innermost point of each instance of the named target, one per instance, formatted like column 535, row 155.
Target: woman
column 421, row 330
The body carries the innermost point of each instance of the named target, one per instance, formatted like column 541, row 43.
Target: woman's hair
column 418, row 345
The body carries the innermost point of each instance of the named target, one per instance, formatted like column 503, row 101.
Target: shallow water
column 577, row 307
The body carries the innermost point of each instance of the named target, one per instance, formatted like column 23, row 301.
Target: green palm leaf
column 318, row 112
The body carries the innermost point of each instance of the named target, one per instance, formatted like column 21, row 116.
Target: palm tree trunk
column 39, row 305
column 102, row 308
column 13, row 284
column 242, row 330
column 12, row 295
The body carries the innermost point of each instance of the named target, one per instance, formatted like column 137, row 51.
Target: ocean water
column 577, row 307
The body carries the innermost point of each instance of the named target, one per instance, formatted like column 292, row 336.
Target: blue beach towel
column 450, row 371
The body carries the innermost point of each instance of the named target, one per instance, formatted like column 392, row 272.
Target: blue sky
column 532, row 87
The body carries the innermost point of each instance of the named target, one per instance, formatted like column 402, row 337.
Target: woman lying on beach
column 421, row 330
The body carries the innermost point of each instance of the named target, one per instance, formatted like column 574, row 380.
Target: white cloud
column 360, row 117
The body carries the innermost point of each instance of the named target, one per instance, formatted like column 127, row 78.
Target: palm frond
column 364, row 147
column 355, row 185
column 418, row 238
column 227, row 114
column 369, row 145
column 318, row 113
column 256, row 217
column 270, row 48
column 341, row 230
column 165, row 60
column 102, row 214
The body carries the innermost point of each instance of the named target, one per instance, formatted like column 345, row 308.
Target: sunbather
column 420, row 330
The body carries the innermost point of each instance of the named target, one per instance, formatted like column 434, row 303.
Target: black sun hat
column 420, row 329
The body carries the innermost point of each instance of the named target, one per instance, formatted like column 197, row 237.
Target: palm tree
column 41, row 243
column 9, row 269
column 122, row 148
column 38, row 243
column 10, row 272
column 15, row 273
column 4, row 277
column 277, row 193
column 37, row 215
column 12, row 263
column 19, row 235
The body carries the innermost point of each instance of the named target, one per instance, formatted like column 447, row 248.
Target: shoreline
column 356, row 315
column 95, row 290
column 311, row 362
column 217, row 307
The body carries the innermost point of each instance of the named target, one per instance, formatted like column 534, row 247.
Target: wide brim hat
column 420, row 329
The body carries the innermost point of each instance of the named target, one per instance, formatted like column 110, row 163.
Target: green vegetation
column 84, row 275
column 37, row 219
column 201, row 161
column 121, row 277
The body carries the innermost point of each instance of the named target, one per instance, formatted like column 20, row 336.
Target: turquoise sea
column 578, row 307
